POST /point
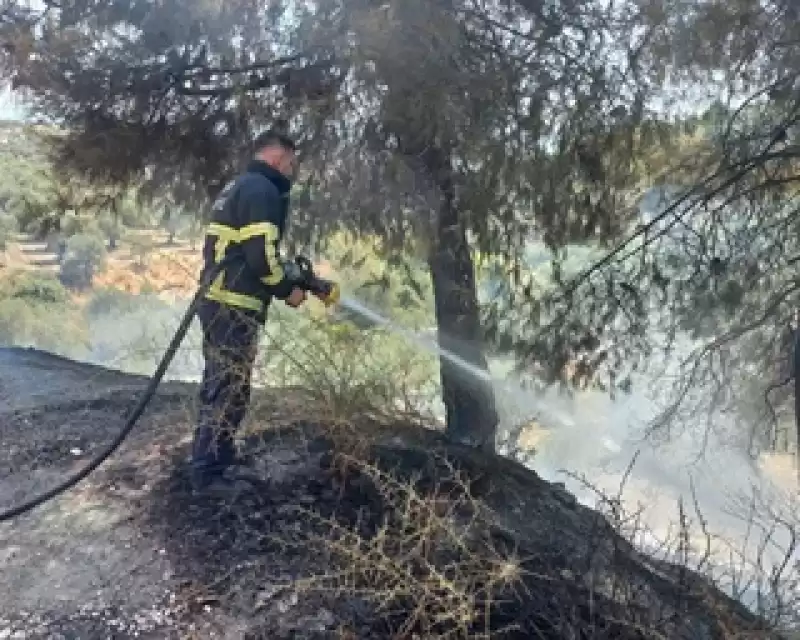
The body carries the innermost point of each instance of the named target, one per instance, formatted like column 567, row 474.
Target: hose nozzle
column 303, row 274
column 333, row 294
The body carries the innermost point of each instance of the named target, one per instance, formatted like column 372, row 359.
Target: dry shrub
column 349, row 371
column 760, row 571
column 773, row 586
column 424, row 560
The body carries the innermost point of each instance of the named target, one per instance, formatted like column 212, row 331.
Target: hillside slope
column 451, row 542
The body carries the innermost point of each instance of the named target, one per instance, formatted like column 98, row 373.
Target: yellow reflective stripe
column 271, row 254
column 270, row 233
column 258, row 229
column 229, row 235
column 220, row 247
column 273, row 279
column 223, row 231
column 218, row 294
column 274, row 266
column 267, row 229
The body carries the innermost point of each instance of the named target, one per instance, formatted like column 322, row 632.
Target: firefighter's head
column 278, row 151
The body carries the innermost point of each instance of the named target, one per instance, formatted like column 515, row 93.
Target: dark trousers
column 230, row 340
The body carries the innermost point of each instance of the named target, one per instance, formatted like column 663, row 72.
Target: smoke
column 130, row 333
column 588, row 438
column 592, row 443
column 602, row 446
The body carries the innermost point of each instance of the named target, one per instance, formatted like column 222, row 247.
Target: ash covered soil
column 348, row 516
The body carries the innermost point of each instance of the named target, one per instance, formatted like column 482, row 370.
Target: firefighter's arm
column 260, row 237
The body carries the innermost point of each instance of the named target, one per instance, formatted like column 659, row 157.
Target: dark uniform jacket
column 248, row 220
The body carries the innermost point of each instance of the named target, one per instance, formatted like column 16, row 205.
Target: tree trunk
column 466, row 390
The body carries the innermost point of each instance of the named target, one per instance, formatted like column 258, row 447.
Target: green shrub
column 8, row 225
column 33, row 288
column 43, row 326
column 74, row 225
column 112, row 301
column 35, row 311
column 85, row 254
column 400, row 288
column 111, row 227
column 349, row 369
column 141, row 246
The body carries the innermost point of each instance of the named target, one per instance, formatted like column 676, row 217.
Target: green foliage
column 141, row 246
column 24, row 324
column 108, row 301
column 111, row 227
column 8, row 226
column 38, row 195
column 397, row 285
column 85, row 255
column 347, row 368
column 35, row 311
column 33, row 288
column 73, row 225
column 24, row 173
column 133, row 215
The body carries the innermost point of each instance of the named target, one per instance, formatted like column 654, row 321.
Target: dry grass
column 427, row 565
column 166, row 269
column 702, row 561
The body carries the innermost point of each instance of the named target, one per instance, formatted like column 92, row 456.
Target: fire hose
column 300, row 272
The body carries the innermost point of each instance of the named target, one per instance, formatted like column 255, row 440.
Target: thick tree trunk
column 466, row 391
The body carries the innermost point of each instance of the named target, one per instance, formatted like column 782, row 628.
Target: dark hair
column 273, row 138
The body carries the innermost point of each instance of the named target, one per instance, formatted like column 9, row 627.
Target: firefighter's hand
column 296, row 297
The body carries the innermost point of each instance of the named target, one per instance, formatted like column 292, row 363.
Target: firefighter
column 247, row 223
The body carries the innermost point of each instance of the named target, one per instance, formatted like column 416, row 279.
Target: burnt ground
column 349, row 516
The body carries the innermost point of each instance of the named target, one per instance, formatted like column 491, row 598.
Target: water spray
column 434, row 348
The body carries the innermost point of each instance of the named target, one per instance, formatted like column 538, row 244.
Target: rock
column 321, row 622
column 264, row 597
column 287, row 603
